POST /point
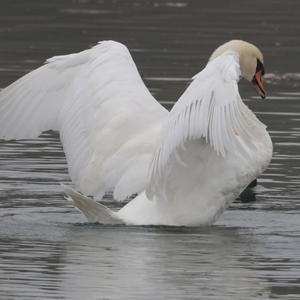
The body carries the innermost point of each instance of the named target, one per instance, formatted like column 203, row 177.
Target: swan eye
column 260, row 67
column 258, row 80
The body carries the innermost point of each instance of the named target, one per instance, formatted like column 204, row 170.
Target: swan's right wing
column 107, row 119
column 210, row 111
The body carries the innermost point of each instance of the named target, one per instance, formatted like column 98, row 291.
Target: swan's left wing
column 210, row 109
column 107, row 119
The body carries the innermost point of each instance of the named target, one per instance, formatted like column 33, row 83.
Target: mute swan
column 186, row 166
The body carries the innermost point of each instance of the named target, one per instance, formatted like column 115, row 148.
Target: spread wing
column 107, row 119
column 210, row 110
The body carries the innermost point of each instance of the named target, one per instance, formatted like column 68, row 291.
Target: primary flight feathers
column 107, row 119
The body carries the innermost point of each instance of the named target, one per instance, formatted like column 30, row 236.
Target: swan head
column 251, row 62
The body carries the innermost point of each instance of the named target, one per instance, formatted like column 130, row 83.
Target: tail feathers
column 94, row 211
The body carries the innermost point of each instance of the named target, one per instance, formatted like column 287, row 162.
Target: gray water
column 48, row 251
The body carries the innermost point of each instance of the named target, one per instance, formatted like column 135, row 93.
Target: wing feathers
column 211, row 108
column 98, row 102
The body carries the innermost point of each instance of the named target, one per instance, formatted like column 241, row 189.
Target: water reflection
column 94, row 260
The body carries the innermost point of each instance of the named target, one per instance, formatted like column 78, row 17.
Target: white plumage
column 106, row 117
column 186, row 165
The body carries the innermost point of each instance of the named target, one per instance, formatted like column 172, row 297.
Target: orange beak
column 258, row 82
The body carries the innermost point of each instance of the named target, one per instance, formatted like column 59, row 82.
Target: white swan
column 186, row 165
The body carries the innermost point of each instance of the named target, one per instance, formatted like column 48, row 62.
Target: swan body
column 186, row 165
